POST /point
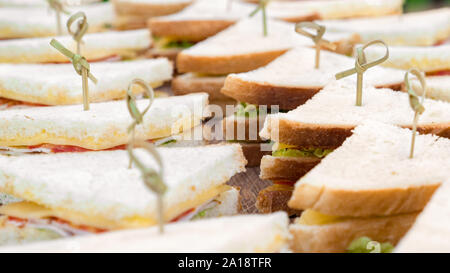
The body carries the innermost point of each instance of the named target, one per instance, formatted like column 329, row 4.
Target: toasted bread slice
column 38, row 23
column 220, row 54
column 135, row 14
column 274, row 198
column 431, row 229
column 370, row 174
column 59, row 84
column 311, row 126
column 191, row 83
column 285, row 83
column 201, row 20
column 286, row 168
column 337, row 236
column 407, row 29
column 253, row 153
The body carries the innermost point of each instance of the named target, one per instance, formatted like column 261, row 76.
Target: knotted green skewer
column 81, row 66
column 134, row 110
column 361, row 65
column 262, row 7
column 415, row 103
column 153, row 180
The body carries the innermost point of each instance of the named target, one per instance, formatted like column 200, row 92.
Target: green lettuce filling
column 167, row 43
column 307, row 152
column 367, row 245
column 246, row 110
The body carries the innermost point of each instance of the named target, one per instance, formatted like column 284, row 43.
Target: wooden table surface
column 250, row 185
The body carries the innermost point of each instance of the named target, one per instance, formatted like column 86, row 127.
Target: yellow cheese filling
column 314, row 218
column 115, row 137
column 57, row 95
column 31, row 210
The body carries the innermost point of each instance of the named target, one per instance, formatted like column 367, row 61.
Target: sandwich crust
column 337, row 237
column 361, row 203
column 148, row 9
column 286, row 168
column 219, row 65
column 329, row 135
column 189, row 83
column 274, row 198
column 190, row 30
column 288, row 98
column 253, row 153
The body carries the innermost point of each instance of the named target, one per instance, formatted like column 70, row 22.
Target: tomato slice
column 182, row 215
column 439, row 73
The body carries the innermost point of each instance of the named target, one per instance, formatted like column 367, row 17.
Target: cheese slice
column 311, row 217
column 31, row 210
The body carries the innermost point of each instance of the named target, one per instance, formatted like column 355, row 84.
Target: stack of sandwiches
column 340, row 175
column 304, row 136
column 368, row 187
column 83, row 193
column 205, row 18
column 207, row 64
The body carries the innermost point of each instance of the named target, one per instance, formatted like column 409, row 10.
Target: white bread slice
column 94, row 194
column 96, row 46
column 103, row 126
column 245, row 233
column 58, row 84
column 23, row 22
column 337, row 237
column 328, row 118
column 371, row 174
column 431, row 231
column 226, row 203
column 285, row 83
column 425, row 58
column 408, row 29
column 201, row 20
column 438, row 87
column 22, row 3
column 243, row 47
column 332, row 9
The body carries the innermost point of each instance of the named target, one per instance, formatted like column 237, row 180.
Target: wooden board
column 250, row 185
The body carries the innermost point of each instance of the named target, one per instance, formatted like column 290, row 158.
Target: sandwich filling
column 53, row 148
column 26, row 214
column 280, row 149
